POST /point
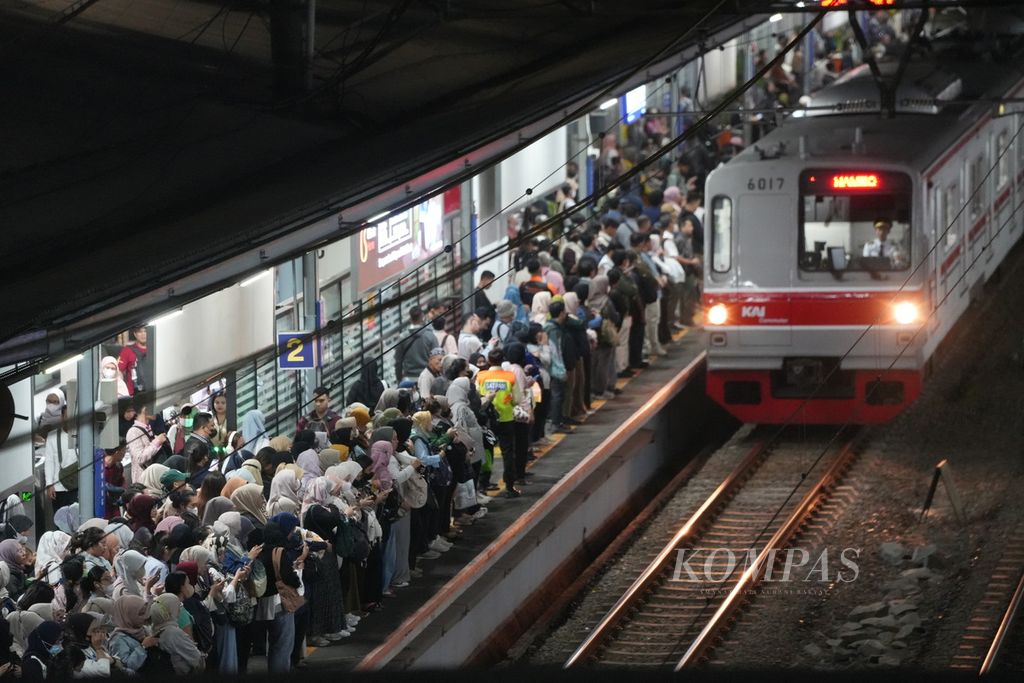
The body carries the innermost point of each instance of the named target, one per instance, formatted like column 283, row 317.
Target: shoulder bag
column 291, row 601
column 68, row 475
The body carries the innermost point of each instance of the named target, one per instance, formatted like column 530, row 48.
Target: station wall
column 215, row 332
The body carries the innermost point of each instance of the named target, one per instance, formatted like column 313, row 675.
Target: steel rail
column 639, row 587
column 1003, row 630
column 748, row 579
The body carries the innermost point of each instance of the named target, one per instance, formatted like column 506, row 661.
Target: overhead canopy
column 147, row 140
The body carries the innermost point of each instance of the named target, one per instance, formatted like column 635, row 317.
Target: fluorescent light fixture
column 608, row 104
column 379, row 217
column 167, row 316
column 258, row 276
column 775, row 17
column 58, row 366
column 800, row 4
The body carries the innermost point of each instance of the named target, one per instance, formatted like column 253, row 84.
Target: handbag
column 291, row 601
column 68, row 475
column 391, row 509
column 465, row 495
column 414, row 491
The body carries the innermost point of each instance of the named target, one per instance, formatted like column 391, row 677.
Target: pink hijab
column 380, row 453
column 168, row 523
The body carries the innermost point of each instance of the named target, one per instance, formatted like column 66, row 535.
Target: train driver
column 882, row 246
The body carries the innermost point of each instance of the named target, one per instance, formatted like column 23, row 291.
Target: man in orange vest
column 502, row 383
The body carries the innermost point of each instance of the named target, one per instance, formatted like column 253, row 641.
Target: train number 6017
column 763, row 184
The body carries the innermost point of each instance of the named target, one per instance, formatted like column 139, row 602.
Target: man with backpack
column 535, row 284
column 506, row 328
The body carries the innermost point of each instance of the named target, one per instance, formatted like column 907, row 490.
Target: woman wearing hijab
column 150, row 479
column 42, row 645
column 50, row 553
column 130, row 568
column 248, row 500
column 236, row 482
column 140, row 511
column 369, row 387
column 163, row 621
column 253, row 467
column 67, row 519
column 15, row 556
column 279, row 540
column 215, row 508
column 326, row 611
column 110, row 371
column 86, row 632
column 390, row 473
column 129, row 641
column 254, row 430
column 539, row 308
column 58, row 450
column 603, row 375
column 21, row 624
column 472, row 437
column 388, row 399
column 309, row 461
column 285, row 492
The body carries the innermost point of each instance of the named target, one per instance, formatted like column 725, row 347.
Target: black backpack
column 648, row 286
column 531, row 287
column 157, row 662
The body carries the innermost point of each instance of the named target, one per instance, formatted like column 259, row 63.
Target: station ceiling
column 146, row 139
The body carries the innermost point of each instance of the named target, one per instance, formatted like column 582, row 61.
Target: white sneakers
column 344, row 633
column 440, row 545
column 351, row 620
column 479, row 514
column 481, row 499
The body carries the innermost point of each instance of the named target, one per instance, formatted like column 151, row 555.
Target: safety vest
column 500, row 381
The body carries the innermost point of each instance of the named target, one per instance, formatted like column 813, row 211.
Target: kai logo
column 752, row 312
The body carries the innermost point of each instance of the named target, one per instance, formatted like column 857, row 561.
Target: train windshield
column 854, row 221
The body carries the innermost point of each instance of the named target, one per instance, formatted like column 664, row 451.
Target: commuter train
column 830, row 276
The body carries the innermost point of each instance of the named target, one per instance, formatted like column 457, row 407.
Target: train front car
column 812, row 306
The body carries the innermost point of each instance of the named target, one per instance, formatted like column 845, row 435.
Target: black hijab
column 368, row 388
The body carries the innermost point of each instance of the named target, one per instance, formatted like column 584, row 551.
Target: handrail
column 654, row 569
column 1004, row 628
column 780, row 538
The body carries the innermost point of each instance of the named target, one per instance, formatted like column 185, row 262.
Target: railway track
column 988, row 633
column 675, row 611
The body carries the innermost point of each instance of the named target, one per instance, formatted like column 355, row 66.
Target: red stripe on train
column 808, row 308
column 976, row 230
column 950, row 260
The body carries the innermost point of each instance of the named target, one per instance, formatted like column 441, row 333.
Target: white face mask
column 53, row 409
column 109, row 373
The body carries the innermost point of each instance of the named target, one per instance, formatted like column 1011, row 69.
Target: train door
column 766, row 256
column 1003, row 218
column 977, row 212
column 949, row 245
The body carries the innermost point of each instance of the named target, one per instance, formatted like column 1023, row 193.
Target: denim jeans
column 282, row 640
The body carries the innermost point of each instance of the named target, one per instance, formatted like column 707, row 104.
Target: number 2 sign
column 295, row 351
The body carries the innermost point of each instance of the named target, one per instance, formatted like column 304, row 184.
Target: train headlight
column 718, row 314
column 905, row 313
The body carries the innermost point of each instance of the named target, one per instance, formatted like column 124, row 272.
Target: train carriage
column 830, row 274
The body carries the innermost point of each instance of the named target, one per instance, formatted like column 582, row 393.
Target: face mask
column 22, row 539
column 187, row 422
column 53, row 409
column 109, row 373
column 55, row 649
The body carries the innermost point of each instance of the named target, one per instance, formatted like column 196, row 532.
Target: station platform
column 552, row 465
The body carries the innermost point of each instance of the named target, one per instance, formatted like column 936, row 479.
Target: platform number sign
column 296, row 351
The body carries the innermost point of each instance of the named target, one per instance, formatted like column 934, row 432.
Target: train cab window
column 1003, row 172
column 867, row 214
column 721, row 234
